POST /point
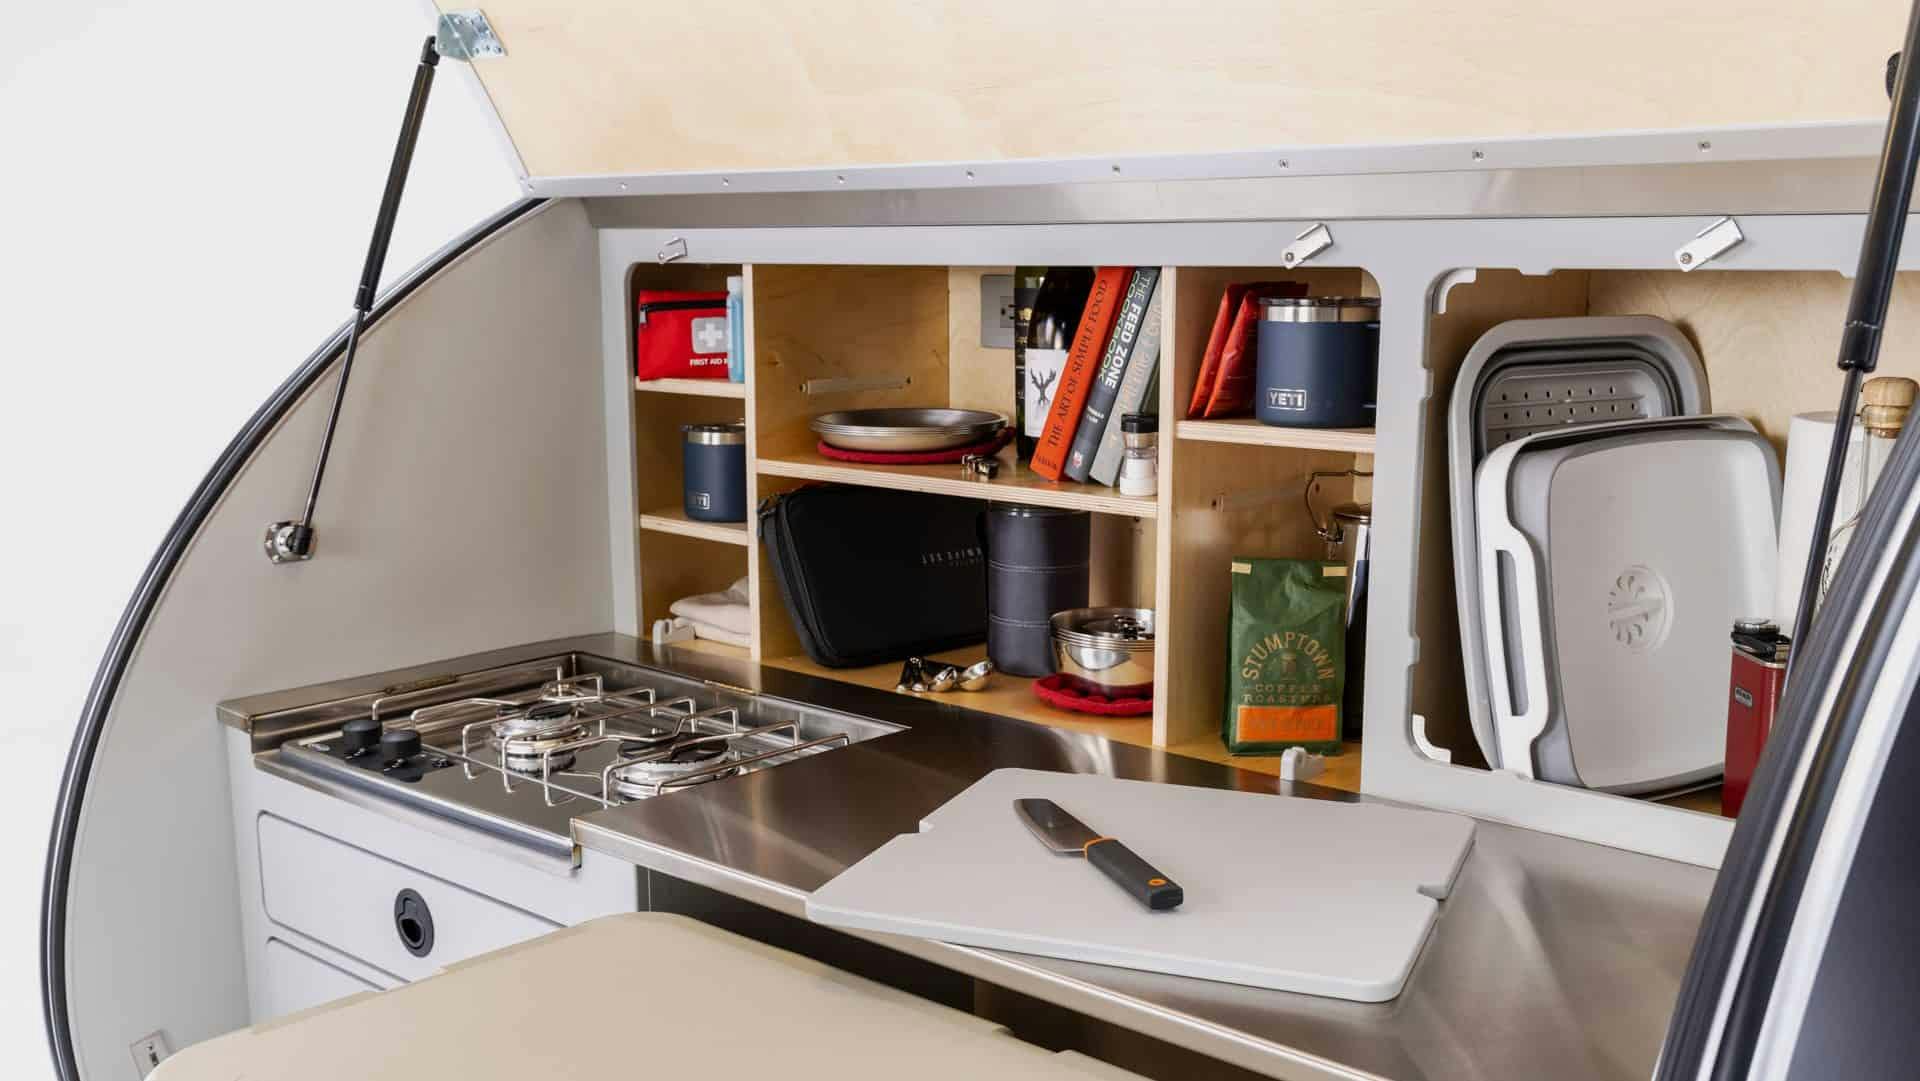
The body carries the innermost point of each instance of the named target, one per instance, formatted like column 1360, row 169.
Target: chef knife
column 1068, row 836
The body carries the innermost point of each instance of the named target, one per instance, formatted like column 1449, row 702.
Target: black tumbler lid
column 1140, row 423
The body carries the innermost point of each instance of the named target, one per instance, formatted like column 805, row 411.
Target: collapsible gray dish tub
column 1553, row 373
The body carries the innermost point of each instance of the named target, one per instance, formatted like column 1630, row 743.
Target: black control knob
column 361, row 735
column 399, row 743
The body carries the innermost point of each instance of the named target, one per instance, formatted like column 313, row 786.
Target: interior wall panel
column 464, row 509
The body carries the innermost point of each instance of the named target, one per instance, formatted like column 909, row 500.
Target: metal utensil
column 1068, row 836
column 912, row 675
column 977, row 677
column 944, row 679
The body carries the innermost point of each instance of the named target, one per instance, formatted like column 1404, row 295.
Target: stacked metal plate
column 907, row 430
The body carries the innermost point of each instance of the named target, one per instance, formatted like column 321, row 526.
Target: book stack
column 1111, row 370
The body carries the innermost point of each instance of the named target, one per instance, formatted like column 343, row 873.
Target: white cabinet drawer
column 351, row 899
column 295, row 980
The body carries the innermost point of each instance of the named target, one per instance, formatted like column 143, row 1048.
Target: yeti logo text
column 1286, row 398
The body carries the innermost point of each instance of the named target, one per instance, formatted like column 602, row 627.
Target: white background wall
column 187, row 189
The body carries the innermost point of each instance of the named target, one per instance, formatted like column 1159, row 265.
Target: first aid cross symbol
column 709, row 335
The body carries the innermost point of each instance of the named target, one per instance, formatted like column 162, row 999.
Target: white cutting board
column 1292, row 894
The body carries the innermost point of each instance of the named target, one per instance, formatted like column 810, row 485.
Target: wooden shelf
column 703, row 388
column 1009, row 696
column 1705, row 800
column 1012, row 696
column 675, row 520
column 1342, row 772
column 712, row 648
column 1250, row 432
column 1015, row 484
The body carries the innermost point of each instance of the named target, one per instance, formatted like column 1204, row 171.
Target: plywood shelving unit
column 843, row 337
column 1230, row 489
column 1765, row 338
column 677, row 556
column 890, row 315
column 846, row 337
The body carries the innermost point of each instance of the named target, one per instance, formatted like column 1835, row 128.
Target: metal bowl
column 901, row 430
column 1106, row 651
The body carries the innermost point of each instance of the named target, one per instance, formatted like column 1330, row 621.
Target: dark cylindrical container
column 715, row 471
column 1319, row 361
column 1037, row 559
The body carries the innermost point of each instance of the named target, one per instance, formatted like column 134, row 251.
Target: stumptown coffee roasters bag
column 1286, row 660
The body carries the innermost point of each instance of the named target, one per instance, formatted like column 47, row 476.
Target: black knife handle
column 1135, row 875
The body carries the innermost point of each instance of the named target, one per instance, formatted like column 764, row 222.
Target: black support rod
column 299, row 538
column 1867, row 310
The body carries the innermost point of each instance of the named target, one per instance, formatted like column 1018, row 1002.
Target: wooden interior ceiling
column 614, row 86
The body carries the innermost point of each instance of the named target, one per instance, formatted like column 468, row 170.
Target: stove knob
column 361, row 735
column 399, row 743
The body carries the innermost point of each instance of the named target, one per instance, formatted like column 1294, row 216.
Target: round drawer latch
column 413, row 922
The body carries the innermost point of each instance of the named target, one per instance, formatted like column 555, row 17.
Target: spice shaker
column 1140, row 456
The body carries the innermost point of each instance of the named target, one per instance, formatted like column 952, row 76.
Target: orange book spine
column 1076, row 378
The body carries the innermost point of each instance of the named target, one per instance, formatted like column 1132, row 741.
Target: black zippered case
column 870, row 575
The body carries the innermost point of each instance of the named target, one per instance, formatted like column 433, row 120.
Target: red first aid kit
column 680, row 335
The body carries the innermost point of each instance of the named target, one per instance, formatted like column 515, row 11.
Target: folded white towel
column 718, row 634
column 726, row 611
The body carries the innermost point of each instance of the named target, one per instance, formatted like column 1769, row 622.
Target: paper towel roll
column 1809, row 438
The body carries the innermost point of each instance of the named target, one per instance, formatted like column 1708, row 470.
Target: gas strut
column 1867, row 310
column 292, row 541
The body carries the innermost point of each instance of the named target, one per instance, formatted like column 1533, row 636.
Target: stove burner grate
column 686, row 764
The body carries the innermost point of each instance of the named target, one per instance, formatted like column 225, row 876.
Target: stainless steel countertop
column 1552, row 958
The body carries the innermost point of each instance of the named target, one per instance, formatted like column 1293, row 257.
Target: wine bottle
column 1050, row 330
column 1026, row 287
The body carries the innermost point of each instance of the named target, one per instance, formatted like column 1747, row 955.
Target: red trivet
column 1054, row 691
column 917, row 457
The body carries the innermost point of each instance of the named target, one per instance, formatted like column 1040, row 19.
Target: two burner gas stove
column 518, row 752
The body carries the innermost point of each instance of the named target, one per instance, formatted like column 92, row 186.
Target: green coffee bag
column 1286, row 662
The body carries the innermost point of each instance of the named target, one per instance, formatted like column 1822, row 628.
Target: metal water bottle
column 1759, row 671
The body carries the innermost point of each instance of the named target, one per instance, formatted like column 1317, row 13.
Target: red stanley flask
column 1759, row 670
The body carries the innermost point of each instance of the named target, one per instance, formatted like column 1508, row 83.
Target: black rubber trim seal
column 1690, row 1042
column 153, row 585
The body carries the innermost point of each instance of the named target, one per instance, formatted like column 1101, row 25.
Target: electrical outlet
column 996, row 311
column 149, row 1050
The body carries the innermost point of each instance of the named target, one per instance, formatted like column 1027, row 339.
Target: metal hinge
column 1307, row 245
column 1709, row 244
column 284, row 543
column 674, row 249
column 467, row 35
